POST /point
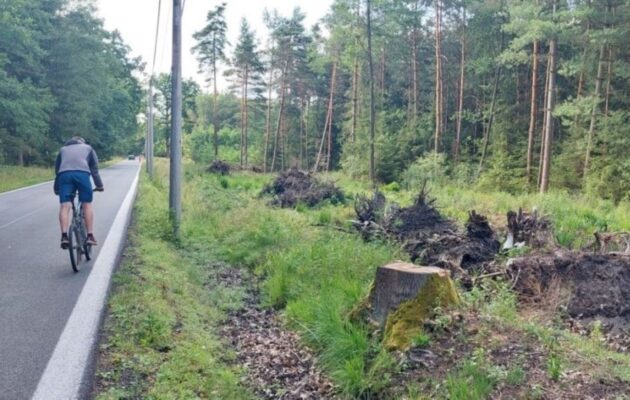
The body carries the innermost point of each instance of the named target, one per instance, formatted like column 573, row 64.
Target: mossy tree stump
column 403, row 296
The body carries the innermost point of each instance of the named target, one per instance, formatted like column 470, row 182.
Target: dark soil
column 219, row 167
column 594, row 285
column 295, row 186
column 428, row 237
column 278, row 366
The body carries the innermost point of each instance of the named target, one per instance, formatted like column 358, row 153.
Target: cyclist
column 75, row 163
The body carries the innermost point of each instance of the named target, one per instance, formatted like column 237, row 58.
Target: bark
column 371, row 80
column 546, row 164
column 215, row 120
column 246, row 117
column 277, row 137
column 460, row 105
column 488, row 130
column 532, row 112
column 268, row 121
column 355, row 99
column 330, row 120
column 542, row 131
column 594, row 110
column 438, row 76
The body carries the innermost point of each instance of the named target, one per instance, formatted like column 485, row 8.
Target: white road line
column 65, row 372
column 24, row 188
column 22, row 217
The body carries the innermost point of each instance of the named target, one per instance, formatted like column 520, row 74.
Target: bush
column 431, row 168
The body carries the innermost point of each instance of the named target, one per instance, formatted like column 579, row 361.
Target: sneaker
column 65, row 241
column 91, row 240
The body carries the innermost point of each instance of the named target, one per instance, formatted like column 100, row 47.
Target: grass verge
column 13, row 177
column 160, row 340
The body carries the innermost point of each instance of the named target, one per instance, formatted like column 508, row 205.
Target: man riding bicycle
column 75, row 163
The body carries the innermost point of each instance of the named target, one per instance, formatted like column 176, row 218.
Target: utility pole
column 175, row 190
column 149, row 139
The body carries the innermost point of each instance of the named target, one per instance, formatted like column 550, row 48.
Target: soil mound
column 295, row 186
column 428, row 237
column 219, row 167
column 591, row 285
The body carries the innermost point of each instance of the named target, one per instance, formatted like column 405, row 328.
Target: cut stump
column 402, row 297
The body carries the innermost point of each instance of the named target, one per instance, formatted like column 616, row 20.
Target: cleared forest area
column 264, row 273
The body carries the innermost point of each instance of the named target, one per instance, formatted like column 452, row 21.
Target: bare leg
column 64, row 216
column 88, row 212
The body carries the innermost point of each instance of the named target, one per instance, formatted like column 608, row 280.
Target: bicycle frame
column 77, row 233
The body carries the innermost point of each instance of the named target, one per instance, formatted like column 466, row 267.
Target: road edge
column 66, row 373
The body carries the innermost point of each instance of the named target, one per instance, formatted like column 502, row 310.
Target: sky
column 136, row 21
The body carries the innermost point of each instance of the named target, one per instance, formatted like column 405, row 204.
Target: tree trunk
column 215, row 120
column 438, row 76
column 371, row 80
column 542, row 131
column 546, row 164
column 532, row 113
column 486, row 136
column 277, row 137
column 460, row 105
column 594, row 110
column 330, row 121
column 242, row 148
column 268, row 121
column 355, row 93
column 246, row 112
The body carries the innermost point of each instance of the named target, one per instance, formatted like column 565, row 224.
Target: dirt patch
column 516, row 362
column 219, row 167
column 295, row 186
column 597, row 285
column 278, row 366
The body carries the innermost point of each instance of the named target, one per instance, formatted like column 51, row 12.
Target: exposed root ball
column 598, row 284
column 295, row 186
column 219, row 167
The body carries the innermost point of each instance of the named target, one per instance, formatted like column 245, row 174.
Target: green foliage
column 430, row 168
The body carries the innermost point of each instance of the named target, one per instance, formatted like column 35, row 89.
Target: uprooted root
column 598, row 284
column 295, row 186
column 219, row 167
column 428, row 237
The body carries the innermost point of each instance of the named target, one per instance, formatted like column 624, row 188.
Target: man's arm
column 57, row 165
column 93, row 163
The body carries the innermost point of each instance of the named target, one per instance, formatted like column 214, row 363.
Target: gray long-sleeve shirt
column 77, row 156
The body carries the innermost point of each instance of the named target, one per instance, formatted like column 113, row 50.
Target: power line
column 157, row 32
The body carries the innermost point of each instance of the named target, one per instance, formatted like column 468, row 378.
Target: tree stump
column 403, row 296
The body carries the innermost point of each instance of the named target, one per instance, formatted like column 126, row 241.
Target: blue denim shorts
column 72, row 181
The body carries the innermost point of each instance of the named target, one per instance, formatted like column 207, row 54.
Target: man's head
column 78, row 139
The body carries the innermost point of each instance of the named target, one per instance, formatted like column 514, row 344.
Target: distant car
column 131, row 157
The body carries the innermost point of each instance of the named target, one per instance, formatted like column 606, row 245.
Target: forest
column 62, row 74
column 510, row 95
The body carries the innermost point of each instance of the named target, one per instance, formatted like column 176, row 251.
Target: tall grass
column 13, row 177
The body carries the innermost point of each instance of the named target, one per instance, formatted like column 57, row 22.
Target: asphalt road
column 38, row 288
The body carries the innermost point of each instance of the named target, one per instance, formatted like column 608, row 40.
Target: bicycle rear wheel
column 71, row 248
column 87, row 249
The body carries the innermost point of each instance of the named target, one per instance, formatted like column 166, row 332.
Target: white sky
column 136, row 19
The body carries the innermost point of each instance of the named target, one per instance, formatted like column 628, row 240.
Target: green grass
column 12, row 177
column 161, row 332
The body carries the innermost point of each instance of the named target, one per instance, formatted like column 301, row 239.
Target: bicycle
column 77, row 236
